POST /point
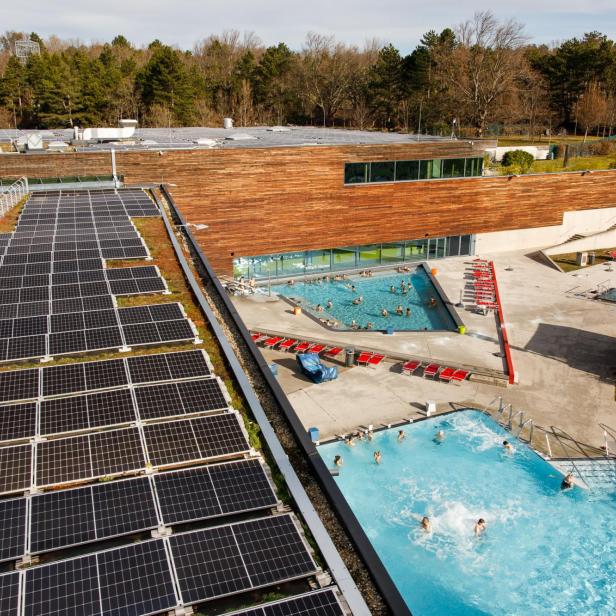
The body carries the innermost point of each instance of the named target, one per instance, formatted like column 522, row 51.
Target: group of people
column 366, row 273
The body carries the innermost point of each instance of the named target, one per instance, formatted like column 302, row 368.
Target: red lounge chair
column 272, row 342
column 431, row 370
column 285, row 345
column 363, row 358
column 316, row 348
column 459, row 376
column 256, row 337
column 446, row 374
column 375, row 360
column 410, row 367
column 302, row 347
column 333, row 352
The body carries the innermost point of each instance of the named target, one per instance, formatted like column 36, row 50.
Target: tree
column 483, row 65
column 386, row 86
column 164, row 81
column 592, row 108
column 518, row 158
column 326, row 74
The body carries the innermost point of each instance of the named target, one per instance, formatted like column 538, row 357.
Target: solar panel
column 60, row 519
column 63, row 415
column 187, row 364
column 15, row 468
column 122, row 507
column 105, row 374
column 212, row 491
column 170, row 331
column 116, row 451
column 109, row 408
column 229, row 559
column 317, row 603
column 219, row 435
column 9, row 593
column 63, row 379
column 17, row 421
column 19, row 385
column 63, row 460
column 171, row 443
column 13, row 526
column 136, row 579
column 69, row 587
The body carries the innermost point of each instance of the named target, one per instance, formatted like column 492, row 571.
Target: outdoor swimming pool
column 544, row 551
column 376, row 294
column 609, row 295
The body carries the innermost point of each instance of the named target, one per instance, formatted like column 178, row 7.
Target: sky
column 401, row 22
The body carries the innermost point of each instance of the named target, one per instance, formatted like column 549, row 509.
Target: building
column 283, row 201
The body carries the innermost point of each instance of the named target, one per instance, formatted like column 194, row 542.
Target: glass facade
column 351, row 257
column 410, row 170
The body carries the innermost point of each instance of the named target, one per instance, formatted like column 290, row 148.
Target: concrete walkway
column 564, row 350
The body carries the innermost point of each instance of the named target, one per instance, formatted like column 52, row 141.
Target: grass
column 567, row 263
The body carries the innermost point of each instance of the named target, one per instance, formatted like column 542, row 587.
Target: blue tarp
column 311, row 365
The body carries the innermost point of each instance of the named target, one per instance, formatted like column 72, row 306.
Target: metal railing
column 10, row 197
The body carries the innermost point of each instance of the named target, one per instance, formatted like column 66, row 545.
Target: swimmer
column 291, row 282
column 384, row 312
column 425, row 521
column 439, row 437
column 369, row 325
column 354, row 324
column 338, row 461
column 350, row 441
column 361, row 299
column 378, row 457
column 330, row 304
column 408, row 312
column 568, row 482
column 480, row 526
column 392, row 289
column 353, row 288
column 370, row 435
column 401, row 435
column 399, row 310
column 507, row 446
column 319, row 308
column 432, row 303
column 356, row 301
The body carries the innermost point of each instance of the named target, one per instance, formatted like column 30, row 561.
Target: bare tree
column 592, row 108
column 483, row 65
column 327, row 70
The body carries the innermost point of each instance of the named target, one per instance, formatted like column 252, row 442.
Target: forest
column 483, row 77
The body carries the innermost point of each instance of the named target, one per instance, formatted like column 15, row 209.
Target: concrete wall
column 597, row 241
column 583, row 222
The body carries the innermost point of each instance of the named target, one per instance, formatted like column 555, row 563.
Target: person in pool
column 392, row 289
column 330, row 304
column 507, row 447
column 384, row 312
column 480, row 526
column 338, row 461
column 432, row 302
column 400, row 310
column 401, row 435
column 568, row 482
column 439, row 437
column 370, row 435
column 378, row 457
column 426, row 524
column 369, row 325
column 408, row 312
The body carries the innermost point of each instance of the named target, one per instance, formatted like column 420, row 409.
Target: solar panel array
column 109, row 450
column 54, row 520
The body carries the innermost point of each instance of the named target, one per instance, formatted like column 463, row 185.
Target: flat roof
column 239, row 137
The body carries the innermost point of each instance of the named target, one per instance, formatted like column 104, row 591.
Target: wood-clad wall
column 259, row 201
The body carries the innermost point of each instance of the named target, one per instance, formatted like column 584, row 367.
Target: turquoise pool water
column 376, row 294
column 544, row 551
column 609, row 295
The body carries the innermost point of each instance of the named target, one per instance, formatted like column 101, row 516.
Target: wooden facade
column 266, row 200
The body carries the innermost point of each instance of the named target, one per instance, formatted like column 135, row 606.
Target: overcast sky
column 402, row 22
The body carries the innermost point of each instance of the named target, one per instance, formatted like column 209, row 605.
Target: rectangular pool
column 332, row 301
column 544, row 551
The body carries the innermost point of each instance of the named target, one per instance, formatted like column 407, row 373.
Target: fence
column 10, row 197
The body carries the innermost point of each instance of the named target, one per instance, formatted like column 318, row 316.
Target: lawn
column 567, row 263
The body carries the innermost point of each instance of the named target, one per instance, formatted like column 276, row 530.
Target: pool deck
column 563, row 346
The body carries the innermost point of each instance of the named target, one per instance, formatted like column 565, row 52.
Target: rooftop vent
column 227, row 123
column 279, row 129
column 239, row 137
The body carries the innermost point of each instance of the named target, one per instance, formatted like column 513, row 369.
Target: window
column 430, row 169
column 474, row 167
column 392, row 252
column 382, row 172
column 343, row 258
column 407, row 170
column 370, row 255
column 416, row 250
column 465, row 244
column 453, row 168
column 453, row 246
column 318, row 260
column 355, row 173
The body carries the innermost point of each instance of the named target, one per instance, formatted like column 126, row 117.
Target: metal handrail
column 10, row 197
column 607, row 431
column 569, row 457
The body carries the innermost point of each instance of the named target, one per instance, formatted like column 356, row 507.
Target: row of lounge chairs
column 482, row 285
column 364, row 358
column 281, row 343
column 432, row 370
